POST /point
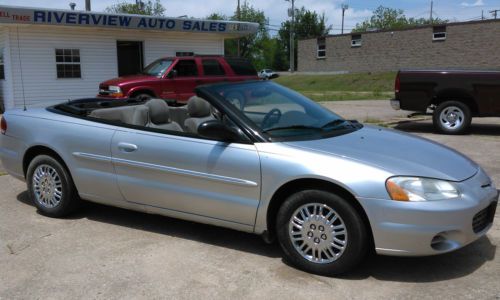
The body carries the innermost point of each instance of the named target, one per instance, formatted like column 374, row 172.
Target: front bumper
column 429, row 228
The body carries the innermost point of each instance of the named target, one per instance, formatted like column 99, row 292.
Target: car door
column 186, row 78
column 189, row 175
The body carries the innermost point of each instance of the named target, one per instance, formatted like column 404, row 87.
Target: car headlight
column 114, row 89
column 420, row 189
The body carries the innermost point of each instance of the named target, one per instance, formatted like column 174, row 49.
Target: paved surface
column 104, row 252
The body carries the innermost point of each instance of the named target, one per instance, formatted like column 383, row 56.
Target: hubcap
column 318, row 233
column 452, row 117
column 47, row 186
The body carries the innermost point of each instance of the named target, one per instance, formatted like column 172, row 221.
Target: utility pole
column 238, row 15
column 432, row 11
column 482, row 14
column 494, row 13
column 291, row 13
column 344, row 8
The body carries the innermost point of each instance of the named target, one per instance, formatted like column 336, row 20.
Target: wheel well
column 305, row 184
column 457, row 96
column 149, row 92
column 34, row 151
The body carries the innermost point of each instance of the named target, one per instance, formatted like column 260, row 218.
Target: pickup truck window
column 158, row 67
column 186, row 68
column 212, row 67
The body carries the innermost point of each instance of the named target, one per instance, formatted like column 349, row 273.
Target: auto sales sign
column 19, row 15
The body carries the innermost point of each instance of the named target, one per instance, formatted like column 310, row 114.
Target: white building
column 49, row 56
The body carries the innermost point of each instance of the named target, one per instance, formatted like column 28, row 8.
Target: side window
column 241, row 66
column 186, row 68
column 212, row 67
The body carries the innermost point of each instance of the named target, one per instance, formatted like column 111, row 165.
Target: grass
column 363, row 86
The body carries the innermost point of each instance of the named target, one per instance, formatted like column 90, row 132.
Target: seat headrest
column 198, row 107
column 158, row 111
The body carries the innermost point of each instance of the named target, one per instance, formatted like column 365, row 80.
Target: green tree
column 255, row 47
column 150, row 8
column 308, row 24
column 386, row 18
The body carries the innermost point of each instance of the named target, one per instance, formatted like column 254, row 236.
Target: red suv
column 176, row 77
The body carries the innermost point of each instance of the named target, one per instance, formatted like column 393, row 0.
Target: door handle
column 126, row 147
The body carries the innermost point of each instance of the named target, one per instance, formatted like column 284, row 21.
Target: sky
column 276, row 10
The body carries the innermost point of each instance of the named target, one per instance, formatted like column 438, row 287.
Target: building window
column 185, row 53
column 356, row 40
column 439, row 33
column 2, row 72
column 212, row 67
column 321, row 51
column 68, row 63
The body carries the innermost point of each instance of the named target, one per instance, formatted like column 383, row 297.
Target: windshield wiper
column 336, row 123
column 292, row 127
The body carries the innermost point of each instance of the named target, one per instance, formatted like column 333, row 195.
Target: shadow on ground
column 427, row 127
column 424, row 269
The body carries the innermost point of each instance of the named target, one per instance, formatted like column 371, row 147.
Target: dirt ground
column 103, row 252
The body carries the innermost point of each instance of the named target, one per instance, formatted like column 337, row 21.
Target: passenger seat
column 199, row 111
column 159, row 116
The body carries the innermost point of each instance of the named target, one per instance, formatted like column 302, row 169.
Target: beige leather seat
column 199, row 111
column 159, row 116
column 133, row 115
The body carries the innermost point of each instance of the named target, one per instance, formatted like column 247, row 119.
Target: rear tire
column 51, row 188
column 452, row 117
column 332, row 237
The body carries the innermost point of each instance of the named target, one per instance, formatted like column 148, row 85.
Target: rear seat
column 133, row 115
column 153, row 114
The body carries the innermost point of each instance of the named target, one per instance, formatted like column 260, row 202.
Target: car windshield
column 282, row 113
column 158, row 67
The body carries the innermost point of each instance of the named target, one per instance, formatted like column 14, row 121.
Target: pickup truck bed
column 453, row 96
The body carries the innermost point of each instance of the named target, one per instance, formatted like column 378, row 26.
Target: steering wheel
column 266, row 122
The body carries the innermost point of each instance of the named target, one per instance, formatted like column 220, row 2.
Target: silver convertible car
column 260, row 158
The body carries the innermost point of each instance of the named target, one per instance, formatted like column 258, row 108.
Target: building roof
column 417, row 27
column 74, row 18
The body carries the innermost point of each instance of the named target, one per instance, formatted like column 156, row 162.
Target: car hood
column 127, row 79
column 396, row 152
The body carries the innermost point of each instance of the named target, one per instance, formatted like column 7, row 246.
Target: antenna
column 20, row 67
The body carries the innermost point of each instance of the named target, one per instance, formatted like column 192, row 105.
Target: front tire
column 452, row 117
column 321, row 233
column 50, row 187
column 143, row 97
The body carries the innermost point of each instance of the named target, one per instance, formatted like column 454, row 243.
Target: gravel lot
column 103, row 252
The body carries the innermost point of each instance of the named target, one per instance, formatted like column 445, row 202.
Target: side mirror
column 216, row 130
column 172, row 74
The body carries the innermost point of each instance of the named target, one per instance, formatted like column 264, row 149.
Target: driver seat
column 199, row 111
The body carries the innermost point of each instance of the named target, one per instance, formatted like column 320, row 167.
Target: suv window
column 241, row 66
column 186, row 67
column 212, row 67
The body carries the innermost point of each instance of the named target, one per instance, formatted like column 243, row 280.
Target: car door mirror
column 172, row 74
column 216, row 130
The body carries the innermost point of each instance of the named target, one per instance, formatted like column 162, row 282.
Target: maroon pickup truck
column 454, row 97
column 175, row 78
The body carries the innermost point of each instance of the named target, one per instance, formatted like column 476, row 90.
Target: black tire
column 69, row 200
column 454, row 109
column 143, row 96
column 357, row 238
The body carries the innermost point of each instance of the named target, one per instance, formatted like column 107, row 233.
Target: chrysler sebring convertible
column 260, row 158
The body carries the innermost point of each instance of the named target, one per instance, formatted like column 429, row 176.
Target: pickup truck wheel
column 321, row 233
column 50, row 187
column 452, row 117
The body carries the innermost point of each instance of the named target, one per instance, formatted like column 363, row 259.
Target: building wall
column 2, row 81
column 33, row 66
column 473, row 45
